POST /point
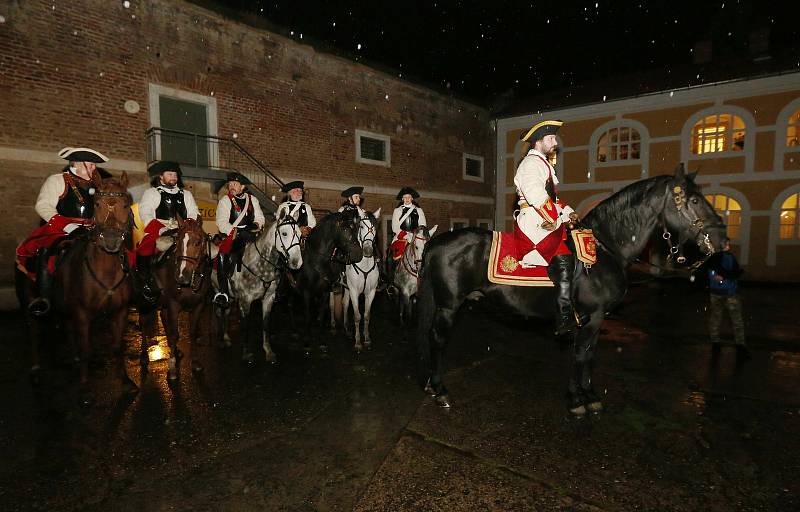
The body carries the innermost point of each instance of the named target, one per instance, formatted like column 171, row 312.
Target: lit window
column 619, row 144
column 789, row 214
column 717, row 133
column 731, row 212
column 793, row 131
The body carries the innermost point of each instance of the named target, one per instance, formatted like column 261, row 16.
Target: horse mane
column 627, row 206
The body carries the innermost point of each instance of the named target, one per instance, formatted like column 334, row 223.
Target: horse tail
column 426, row 311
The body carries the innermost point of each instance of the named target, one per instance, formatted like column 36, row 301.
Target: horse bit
column 679, row 197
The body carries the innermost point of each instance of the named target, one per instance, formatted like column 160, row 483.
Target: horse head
column 421, row 236
column 192, row 248
column 287, row 240
column 690, row 214
column 367, row 230
column 113, row 218
column 346, row 235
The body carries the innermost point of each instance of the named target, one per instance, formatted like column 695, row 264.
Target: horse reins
column 363, row 240
column 405, row 260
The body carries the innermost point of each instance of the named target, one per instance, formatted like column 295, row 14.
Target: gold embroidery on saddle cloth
column 585, row 246
column 509, row 263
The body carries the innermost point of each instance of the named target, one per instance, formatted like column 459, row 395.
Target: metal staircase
column 209, row 158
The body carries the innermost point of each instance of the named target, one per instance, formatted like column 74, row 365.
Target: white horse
column 263, row 264
column 406, row 275
column 362, row 279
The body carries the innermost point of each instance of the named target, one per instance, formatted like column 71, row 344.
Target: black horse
column 455, row 265
column 332, row 245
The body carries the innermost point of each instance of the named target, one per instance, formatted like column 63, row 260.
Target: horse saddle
column 505, row 255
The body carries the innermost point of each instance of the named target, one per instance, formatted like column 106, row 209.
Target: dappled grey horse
column 361, row 279
column 263, row 263
column 406, row 277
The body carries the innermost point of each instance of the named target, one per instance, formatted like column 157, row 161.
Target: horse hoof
column 358, row 348
column 367, row 344
column 130, row 389
column 595, row 407
column 429, row 389
column 86, row 398
column 172, row 375
column 578, row 412
column 443, row 400
column 248, row 358
column 323, row 348
column 271, row 358
column 197, row 367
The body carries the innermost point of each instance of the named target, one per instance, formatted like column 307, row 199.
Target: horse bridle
column 194, row 286
column 363, row 240
column 405, row 260
column 282, row 257
column 125, row 229
column 335, row 253
column 681, row 205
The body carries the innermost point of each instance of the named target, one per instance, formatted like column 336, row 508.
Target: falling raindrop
column 235, row 135
column 126, row 4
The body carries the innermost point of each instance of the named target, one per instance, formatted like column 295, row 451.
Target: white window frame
column 488, row 222
column 464, row 175
column 744, row 228
column 372, row 135
column 781, row 127
column 453, row 220
column 155, row 91
column 748, row 152
column 644, row 147
column 774, row 239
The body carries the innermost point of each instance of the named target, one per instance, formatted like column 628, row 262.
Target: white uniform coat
column 152, row 198
column 293, row 209
column 530, row 180
column 224, row 213
column 397, row 214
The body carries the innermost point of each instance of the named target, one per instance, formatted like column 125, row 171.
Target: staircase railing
column 209, row 157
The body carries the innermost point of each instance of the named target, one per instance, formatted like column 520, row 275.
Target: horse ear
column 123, row 180
column 680, row 172
column 691, row 176
column 281, row 214
column 433, row 229
column 377, row 214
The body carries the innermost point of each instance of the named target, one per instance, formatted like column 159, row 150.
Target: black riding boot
column 222, row 297
column 391, row 266
column 40, row 305
column 560, row 272
column 383, row 277
column 144, row 283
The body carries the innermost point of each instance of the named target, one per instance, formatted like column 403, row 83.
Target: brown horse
column 93, row 280
column 184, row 276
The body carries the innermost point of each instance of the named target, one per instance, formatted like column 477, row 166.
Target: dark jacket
column 723, row 265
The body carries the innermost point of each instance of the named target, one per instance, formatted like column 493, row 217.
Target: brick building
column 743, row 136
column 101, row 74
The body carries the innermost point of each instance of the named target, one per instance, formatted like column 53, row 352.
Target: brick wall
column 66, row 70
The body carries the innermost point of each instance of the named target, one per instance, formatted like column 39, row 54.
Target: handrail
column 210, row 153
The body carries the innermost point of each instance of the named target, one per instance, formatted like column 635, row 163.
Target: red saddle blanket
column 504, row 262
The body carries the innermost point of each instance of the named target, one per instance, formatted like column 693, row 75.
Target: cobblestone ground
column 336, row 430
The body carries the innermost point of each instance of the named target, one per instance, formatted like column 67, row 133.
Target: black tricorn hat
column 163, row 166
column 82, row 155
column 352, row 191
column 539, row 130
column 233, row 176
column 407, row 190
column 291, row 185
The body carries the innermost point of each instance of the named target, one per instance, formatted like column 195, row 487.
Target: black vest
column 412, row 221
column 550, row 188
column 171, row 205
column 249, row 217
column 300, row 212
column 76, row 200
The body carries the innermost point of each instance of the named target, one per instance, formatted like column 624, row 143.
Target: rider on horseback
column 407, row 217
column 159, row 209
column 65, row 204
column 296, row 207
column 239, row 217
column 543, row 218
column 353, row 201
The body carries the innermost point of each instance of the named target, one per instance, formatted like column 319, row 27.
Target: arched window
column 720, row 132
column 793, row 130
column 731, row 212
column 790, row 211
column 620, row 144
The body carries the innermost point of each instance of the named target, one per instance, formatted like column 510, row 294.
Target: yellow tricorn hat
column 539, row 130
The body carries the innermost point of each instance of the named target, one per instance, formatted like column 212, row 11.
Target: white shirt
column 152, row 198
column 51, row 191
column 293, row 209
column 224, row 213
column 397, row 214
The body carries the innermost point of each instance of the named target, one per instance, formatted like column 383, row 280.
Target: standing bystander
column 723, row 282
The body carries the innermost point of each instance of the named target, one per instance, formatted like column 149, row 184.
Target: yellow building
column 743, row 136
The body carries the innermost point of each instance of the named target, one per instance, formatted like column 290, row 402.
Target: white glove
column 69, row 228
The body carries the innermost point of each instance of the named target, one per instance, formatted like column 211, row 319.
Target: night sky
column 482, row 50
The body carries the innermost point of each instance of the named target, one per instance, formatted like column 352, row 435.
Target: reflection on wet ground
column 683, row 429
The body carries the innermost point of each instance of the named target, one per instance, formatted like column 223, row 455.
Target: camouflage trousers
column 733, row 304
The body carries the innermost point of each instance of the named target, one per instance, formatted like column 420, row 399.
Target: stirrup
column 39, row 306
column 221, row 299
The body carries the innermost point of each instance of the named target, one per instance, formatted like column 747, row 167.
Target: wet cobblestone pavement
column 682, row 430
